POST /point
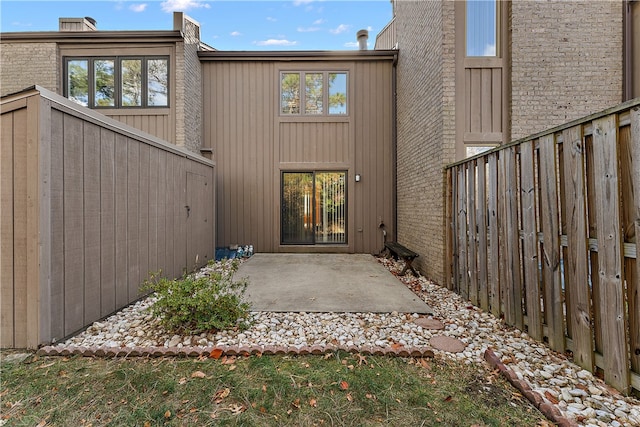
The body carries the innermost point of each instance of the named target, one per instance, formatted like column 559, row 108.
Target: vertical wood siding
column 112, row 209
column 568, row 208
column 253, row 144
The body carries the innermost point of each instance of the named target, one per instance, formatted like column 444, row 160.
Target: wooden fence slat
column 107, row 224
column 57, row 226
column 610, row 259
column 133, row 206
column 483, row 249
column 6, row 231
column 549, row 214
column 503, row 262
column 472, row 239
column 122, row 268
column 634, row 286
column 450, row 255
column 463, row 274
column 575, row 264
column 530, row 241
column 143, row 216
column 92, row 258
column 494, row 245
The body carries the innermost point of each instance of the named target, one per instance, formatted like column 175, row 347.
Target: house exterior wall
column 28, row 64
column 425, row 126
column 253, row 144
column 566, row 61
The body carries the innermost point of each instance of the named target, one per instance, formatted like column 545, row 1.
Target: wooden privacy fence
column 545, row 232
column 88, row 207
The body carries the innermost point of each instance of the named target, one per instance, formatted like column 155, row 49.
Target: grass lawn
column 337, row 389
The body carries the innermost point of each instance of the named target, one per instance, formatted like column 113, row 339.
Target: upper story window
column 118, row 82
column 313, row 93
column 482, row 28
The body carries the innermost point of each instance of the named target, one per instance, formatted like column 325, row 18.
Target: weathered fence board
column 576, row 263
column 6, row 227
column 610, row 268
column 530, row 241
column 562, row 238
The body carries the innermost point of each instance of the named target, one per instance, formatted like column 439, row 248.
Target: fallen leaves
column 313, row 403
column 344, row 385
column 220, row 395
column 216, row 353
column 551, row 398
column 198, row 374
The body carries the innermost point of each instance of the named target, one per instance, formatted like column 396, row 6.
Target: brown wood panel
column 451, row 253
column 169, row 206
column 7, row 254
column 530, row 241
column 180, row 212
column 314, row 142
column 162, row 213
column 143, row 215
column 92, row 258
column 553, row 303
column 153, row 266
column 134, row 273
column 107, row 223
column 610, row 258
column 57, row 282
column 463, row 272
column 472, row 252
column 634, row 285
column 152, row 123
column 576, row 265
column 496, row 100
column 476, row 100
column 487, row 100
column 483, row 247
column 494, row 244
column 121, row 208
column 73, row 224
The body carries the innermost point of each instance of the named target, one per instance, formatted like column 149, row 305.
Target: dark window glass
column 313, row 93
column 78, row 81
column 290, row 93
column 104, row 83
column 157, row 82
column 131, row 82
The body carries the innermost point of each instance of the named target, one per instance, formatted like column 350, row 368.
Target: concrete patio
column 325, row 283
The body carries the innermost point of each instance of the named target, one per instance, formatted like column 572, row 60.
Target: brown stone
column 431, row 324
column 448, row 344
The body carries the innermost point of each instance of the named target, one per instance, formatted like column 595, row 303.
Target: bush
column 195, row 304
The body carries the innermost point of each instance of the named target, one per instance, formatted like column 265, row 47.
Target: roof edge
column 298, row 55
column 57, row 36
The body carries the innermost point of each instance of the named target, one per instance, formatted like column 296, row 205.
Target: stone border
column 549, row 410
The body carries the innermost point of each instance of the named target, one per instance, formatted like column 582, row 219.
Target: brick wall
column 188, row 88
column 425, row 127
column 566, row 61
column 26, row 64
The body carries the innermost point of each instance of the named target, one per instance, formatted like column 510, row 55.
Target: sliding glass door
column 314, row 208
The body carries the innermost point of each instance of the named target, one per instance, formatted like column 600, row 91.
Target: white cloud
column 301, row 2
column 182, row 5
column 235, row 33
column 138, row 7
column 319, row 21
column 308, row 29
column 340, row 29
column 489, row 50
column 275, row 42
column 271, row 19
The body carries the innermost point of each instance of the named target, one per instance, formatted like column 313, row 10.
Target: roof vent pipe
column 363, row 36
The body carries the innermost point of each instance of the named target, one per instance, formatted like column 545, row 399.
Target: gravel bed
column 576, row 392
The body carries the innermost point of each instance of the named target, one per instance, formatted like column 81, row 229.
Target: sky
column 224, row 24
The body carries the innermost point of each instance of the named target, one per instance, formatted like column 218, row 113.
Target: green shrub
column 200, row 304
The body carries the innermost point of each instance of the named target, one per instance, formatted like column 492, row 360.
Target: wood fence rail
column 545, row 233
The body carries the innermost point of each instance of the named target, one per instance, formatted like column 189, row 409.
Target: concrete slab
column 325, row 283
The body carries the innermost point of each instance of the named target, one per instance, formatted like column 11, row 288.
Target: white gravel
column 578, row 394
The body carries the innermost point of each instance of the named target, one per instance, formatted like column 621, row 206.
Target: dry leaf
column 198, row 374
column 147, row 424
column 228, row 360
column 42, row 423
column 233, row 367
column 296, row 403
column 344, row 385
column 264, row 388
column 550, row 397
column 46, row 366
column 182, row 380
column 221, row 394
column 369, row 396
column 237, row 408
column 349, row 397
column 396, row 345
column 167, row 414
column 448, row 399
column 263, row 410
column 313, row 403
column 216, row 353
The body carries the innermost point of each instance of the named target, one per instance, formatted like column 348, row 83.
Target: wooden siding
column 90, row 208
column 160, row 124
column 568, row 204
column 386, row 39
column 253, row 144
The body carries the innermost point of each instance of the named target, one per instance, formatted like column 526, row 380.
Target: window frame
column 118, row 59
column 325, row 93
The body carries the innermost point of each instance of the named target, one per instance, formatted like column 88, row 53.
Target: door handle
column 188, row 208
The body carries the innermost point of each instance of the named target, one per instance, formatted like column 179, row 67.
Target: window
column 314, row 208
column 482, row 30
column 324, row 93
column 118, row 82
